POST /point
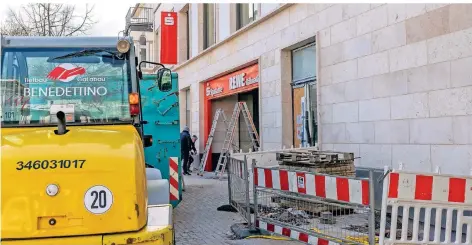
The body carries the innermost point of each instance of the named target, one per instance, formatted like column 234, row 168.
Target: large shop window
column 209, row 37
column 304, row 95
column 246, row 13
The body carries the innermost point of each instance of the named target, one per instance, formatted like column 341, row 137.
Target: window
column 187, row 56
column 246, row 13
column 188, row 106
column 304, row 64
column 209, row 37
column 304, row 95
column 142, row 55
column 38, row 82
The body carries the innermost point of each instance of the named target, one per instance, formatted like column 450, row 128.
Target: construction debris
column 322, row 162
column 290, row 215
column 327, row 218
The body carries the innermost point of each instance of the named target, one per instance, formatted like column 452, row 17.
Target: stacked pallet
column 318, row 162
column 322, row 162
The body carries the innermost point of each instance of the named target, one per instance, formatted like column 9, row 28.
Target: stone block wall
column 398, row 89
column 395, row 80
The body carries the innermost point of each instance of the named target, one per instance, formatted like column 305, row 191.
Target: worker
column 185, row 147
column 193, row 151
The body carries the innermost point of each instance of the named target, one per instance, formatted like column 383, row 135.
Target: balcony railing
column 139, row 19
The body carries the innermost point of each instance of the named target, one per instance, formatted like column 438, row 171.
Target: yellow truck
column 73, row 169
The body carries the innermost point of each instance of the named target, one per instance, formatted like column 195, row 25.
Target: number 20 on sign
column 98, row 199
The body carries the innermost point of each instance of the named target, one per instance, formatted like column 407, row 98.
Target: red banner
column 168, row 38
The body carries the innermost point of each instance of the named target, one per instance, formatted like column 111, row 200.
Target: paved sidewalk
column 197, row 222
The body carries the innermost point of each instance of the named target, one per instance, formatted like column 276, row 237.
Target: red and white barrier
column 299, row 236
column 422, row 191
column 174, row 178
column 351, row 190
column 424, row 187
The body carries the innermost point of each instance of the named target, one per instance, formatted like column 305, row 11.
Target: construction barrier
column 268, row 158
column 432, row 196
column 416, row 208
column 238, row 187
column 314, row 208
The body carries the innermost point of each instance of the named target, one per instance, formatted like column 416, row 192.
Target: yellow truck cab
column 72, row 145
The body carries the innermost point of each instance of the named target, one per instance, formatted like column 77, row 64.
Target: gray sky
column 110, row 17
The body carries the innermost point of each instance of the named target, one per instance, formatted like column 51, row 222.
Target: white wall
column 194, row 29
column 224, row 21
column 268, row 7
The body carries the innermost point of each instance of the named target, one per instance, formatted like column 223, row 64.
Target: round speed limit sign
column 98, row 199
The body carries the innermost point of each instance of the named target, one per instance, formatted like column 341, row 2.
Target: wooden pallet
column 306, row 156
column 346, row 170
column 322, row 162
column 318, row 162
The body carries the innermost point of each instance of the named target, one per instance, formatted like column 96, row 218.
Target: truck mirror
column 140, row 74
column 164, row 79
column 147, row 140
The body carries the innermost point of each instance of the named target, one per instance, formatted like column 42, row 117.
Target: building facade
column 140, row 25
column 390, row 82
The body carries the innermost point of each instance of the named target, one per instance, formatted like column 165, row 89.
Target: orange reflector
column 134, row 110
column 133, row 98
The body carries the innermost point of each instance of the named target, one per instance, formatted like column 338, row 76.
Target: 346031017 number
column 49, row 164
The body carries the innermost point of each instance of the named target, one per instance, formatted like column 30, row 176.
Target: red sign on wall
column 169, row 38
column 239, row 81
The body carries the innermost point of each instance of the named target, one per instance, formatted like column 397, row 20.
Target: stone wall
column 395, row 86
column 394, row 79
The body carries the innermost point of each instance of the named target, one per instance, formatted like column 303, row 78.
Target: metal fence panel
column 313, row 207
column 434, row 196
column 238, row 187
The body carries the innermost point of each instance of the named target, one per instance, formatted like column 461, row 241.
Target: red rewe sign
column 66, row 72
column 169, row 38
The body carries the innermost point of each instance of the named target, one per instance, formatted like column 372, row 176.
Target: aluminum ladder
column 253, row 135
column 238, row 108
column 203, row 161
column 221, row 166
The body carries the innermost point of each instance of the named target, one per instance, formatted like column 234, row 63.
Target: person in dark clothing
column 185, row 147
column 192, row 148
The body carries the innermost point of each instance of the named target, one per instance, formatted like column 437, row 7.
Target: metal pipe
column 254, row 193
column 248, row 201
column 372, row 208
column 230, row 172
column 383, row 215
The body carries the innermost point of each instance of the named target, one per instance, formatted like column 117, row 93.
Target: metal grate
column 330, row 220
column 238, row 187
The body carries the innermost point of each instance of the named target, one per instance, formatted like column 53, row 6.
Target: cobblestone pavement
column 197, row 222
